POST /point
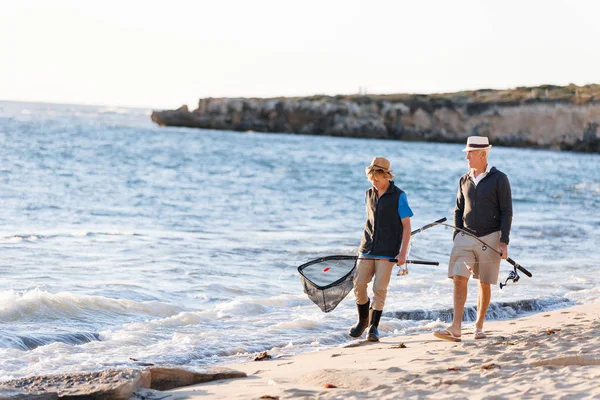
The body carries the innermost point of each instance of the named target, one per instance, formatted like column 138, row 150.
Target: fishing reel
column 512, row 276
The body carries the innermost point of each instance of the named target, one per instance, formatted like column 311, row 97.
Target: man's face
column 476, row 159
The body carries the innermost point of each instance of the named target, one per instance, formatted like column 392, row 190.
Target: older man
column 483, row 208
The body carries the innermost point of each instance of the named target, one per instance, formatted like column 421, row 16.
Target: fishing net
column 328, row 280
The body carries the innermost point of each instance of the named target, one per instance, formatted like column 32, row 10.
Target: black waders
column 363, row 320
column 373, row 334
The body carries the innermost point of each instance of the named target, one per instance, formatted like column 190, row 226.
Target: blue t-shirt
column 404, row 211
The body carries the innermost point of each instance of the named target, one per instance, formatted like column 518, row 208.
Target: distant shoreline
column 547, row 116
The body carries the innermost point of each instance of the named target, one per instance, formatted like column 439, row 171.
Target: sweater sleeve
column 459, row 209
column 505, row 206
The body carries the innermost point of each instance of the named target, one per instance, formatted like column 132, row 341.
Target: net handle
column 395, row 260
column 422, row 262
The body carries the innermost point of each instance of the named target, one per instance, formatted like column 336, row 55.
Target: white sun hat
column 477, row 143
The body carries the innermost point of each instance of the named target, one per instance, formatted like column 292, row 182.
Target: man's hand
column 503, row 249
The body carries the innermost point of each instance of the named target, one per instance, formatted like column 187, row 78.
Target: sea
column 124, row 243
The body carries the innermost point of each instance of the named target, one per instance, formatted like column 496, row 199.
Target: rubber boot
column 373, row 334
column 363, row 320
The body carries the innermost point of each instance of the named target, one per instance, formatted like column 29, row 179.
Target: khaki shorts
column 469, row 253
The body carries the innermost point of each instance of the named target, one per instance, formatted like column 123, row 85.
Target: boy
column 386, row 236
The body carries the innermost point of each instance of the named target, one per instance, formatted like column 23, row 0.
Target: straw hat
column 477, row 143
column 379, row 164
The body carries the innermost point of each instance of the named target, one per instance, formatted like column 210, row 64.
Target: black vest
column 383, row 229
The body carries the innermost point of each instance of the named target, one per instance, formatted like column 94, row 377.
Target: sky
column 162, row 55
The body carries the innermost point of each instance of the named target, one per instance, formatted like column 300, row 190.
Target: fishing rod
column 421, row 229
column 394, row 260
column 434, row 223
column 513, row 275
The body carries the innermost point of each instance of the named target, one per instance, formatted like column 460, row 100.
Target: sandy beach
column 552, row 354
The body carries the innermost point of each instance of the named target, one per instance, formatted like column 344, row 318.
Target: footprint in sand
column 475, row 360
column 301, row 393
column 567, row 361
column 394, row 369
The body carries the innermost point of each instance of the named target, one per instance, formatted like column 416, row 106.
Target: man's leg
column 488, row 269
column 483, row 301
column 460, row 298
column 462, row 259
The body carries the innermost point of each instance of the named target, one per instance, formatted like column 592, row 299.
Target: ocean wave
column 31, row 341
column 590, row 295
column 179, row 320
column 237, row 308
column 33, row 237
column 37, row 304
column 496, row 311
column 296, row 324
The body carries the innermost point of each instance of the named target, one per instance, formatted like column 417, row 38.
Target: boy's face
column 379, row 182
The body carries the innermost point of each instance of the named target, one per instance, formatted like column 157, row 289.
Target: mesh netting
column 328, row 280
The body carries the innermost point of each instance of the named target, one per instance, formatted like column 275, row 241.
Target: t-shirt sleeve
column 404, row 210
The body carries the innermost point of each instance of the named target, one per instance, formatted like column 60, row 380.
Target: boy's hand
column 403, row 270
column 401, row 259
column 402, row 264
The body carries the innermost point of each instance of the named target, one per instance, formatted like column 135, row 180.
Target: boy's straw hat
column 379, row 164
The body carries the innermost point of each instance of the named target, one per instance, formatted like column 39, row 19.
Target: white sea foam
column 37, row 303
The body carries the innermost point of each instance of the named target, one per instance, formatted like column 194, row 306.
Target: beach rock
column 553, row 117
column 166, row 378
column 108, row 384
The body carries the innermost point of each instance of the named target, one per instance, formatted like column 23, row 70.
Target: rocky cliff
column 565, row 118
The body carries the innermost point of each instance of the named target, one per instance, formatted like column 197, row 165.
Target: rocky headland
column 547, row 116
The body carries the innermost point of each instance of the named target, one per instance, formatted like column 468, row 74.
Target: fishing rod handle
column 422, row 262
column 439, row 221
column 517, row 266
